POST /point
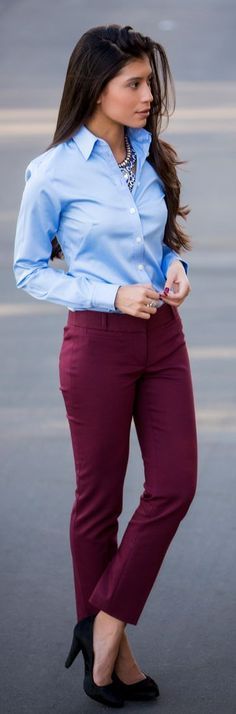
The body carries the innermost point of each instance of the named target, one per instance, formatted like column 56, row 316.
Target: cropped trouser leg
column 117, row 369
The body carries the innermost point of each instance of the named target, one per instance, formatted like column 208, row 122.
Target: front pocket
column 65, row 360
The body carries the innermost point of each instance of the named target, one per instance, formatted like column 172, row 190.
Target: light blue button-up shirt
column 109, row 235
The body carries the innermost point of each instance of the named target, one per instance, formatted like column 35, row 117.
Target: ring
column 153, row 303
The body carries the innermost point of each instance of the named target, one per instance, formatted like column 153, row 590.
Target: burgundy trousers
column 114, row 367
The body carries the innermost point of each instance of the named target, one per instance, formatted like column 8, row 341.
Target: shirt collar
column 85, row 139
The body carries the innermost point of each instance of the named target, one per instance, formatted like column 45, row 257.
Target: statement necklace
column 128, row 163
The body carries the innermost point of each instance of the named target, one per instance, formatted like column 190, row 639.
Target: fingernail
column 166, row 290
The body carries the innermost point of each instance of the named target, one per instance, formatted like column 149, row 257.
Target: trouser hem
column 114, row 611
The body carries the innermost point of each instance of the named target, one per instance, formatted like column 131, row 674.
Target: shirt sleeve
column 168, row 257
column 37, row 223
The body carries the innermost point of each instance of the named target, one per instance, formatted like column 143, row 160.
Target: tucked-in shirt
column 110, row 236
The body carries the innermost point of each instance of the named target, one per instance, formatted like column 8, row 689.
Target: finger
column 174, row 303
column 146, row 308
column 173, row 300
column 152, row 294
column 180, row 292
column 145, row 315
column 150, row 291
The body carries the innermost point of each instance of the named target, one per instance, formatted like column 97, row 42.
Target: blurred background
column 186, row 635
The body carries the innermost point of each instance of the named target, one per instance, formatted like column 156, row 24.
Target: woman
column 106, row 194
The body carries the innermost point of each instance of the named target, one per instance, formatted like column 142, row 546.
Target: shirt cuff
column 104, row 295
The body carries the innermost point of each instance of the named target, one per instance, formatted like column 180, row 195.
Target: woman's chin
column 136, row 122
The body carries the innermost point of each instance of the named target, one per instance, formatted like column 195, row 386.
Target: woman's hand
column 134, row 299
column 178, row 281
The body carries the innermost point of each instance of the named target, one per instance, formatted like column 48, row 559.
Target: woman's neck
column 113, row 134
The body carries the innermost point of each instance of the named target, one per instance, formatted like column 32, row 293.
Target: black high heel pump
column 83, row 640
column 142, row 691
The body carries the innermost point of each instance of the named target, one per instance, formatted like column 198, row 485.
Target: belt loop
column 104, row 320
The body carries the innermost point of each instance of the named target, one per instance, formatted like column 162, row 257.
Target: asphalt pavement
column 186, row 636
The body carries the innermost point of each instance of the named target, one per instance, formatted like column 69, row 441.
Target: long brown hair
column 97, row 57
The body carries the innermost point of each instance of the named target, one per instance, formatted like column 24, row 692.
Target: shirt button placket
column 140, row 266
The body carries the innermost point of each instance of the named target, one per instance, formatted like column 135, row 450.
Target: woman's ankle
column 110, row 623
column 126, row 666
column 107, row 635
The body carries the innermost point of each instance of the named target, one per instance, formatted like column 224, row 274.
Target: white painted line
column 28, row 122
column 212, row 352
column 22, row 309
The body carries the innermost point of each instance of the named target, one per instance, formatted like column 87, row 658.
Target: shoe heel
column 74, row 651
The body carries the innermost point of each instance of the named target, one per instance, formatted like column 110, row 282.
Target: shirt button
column 132, row 210
column 138, row 239
column 140, row 266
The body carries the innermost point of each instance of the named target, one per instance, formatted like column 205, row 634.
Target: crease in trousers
column 113, row 368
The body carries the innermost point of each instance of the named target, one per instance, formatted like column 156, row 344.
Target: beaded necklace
column 128, row 163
